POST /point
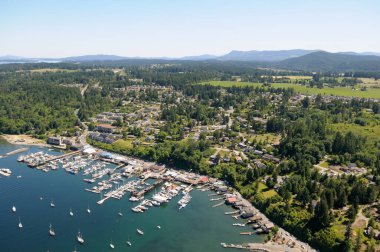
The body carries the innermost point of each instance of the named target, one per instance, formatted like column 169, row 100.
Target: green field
column 371, row 132
column 338, row 91
column 268, row 137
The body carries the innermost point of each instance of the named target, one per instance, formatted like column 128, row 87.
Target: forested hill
column 331, row 62
column 294, row 60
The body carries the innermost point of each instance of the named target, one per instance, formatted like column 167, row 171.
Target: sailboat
column 71, row 212
column 51, row 231
column 140, row 232
column 80, row 238
column 159, row 227
column 111, row 245
column 52, row 204
column 120, row 213
column 19, row 223
column 14, row 209
column 88, row 209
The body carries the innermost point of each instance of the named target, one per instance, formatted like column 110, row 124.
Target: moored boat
column 80, row 238
column 51, row 231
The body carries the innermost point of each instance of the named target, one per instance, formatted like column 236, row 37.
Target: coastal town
column 135, row 123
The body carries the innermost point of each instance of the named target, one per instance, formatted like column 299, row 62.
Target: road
column 83, row 136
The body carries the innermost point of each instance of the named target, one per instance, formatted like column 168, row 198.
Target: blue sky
column 51, row 28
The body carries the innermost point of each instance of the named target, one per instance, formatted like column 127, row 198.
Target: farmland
column 337, row 91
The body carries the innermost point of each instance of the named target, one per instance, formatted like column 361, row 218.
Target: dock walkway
column 147, row 189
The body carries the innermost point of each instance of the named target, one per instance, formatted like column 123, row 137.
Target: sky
column 175, row 28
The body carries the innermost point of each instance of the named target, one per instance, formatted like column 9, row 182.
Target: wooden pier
column 145, row 190
column 219, row 204
column 117, row 167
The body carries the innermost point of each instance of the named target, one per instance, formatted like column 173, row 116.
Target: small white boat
column 128, row 242
column 19, row 176
column 19, row 223
column 111, row 245
column 51, row 231
column 120, row 214
column 159, row 227
column 14, row 209
column 41, row 198
column 140, row 232
column 80, row 238
column 71, row 212
column 52, row 204
column 88, row 210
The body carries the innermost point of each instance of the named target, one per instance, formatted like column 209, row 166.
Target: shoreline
column 283, row 239
column 23, row 140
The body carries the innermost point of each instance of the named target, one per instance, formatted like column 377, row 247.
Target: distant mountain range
column 297, row 59
column 325, row 61
column 264, row 55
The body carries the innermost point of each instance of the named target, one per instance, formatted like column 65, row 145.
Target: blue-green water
column 198, row 227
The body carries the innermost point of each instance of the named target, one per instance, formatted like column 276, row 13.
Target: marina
column 52, row 199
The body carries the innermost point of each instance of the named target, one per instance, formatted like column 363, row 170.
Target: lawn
column 265, row 192
column 338, row 91
column 268, row 137
column 324, row 164
column 123, row 144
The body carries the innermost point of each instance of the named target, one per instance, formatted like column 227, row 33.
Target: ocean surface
column 198, row 227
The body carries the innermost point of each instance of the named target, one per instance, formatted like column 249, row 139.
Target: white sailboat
column 80, row 238
column 140, row 232
column 120, row 213
column 159, row 227
column 88, row 209
column 51, row 230
column 52, row 204
column 19, row 223
column 71, row 212
column 14, row 209
column 111, row 245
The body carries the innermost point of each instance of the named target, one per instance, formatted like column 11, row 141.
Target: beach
column 23, row 140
